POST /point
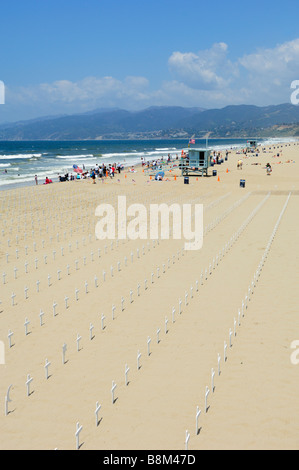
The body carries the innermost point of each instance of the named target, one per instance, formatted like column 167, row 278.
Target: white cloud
column 179, row 93
column 206, row 69
column 67, row 97
column 269, row 72
column 207, row 78
column 93, row 89
column 262, row 77
column 281, row 60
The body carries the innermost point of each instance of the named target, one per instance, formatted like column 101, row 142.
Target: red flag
column 191, row 141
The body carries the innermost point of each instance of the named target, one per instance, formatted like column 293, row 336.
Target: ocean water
column 21, row 161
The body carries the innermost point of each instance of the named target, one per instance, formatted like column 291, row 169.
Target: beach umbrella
column 160, row 173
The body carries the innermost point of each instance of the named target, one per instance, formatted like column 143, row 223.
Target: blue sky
column 61, row 57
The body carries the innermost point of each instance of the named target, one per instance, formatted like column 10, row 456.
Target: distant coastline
column 163, row 139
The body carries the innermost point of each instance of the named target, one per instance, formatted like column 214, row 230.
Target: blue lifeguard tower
column 252, row 144
column 196, row 162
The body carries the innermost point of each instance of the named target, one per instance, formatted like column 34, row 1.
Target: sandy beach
column 111, row 304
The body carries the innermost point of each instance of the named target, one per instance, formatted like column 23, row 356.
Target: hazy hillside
column 159, row 122
column 243, row 117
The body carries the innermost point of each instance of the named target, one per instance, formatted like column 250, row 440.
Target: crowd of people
column 155, row 164
column 110, row 170
column 99, row 171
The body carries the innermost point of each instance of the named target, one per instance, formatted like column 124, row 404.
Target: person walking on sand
column 268, row 169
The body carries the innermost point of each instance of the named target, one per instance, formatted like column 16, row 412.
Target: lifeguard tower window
column 201, row 158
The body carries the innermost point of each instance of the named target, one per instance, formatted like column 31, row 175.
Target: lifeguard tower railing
column 196, row 162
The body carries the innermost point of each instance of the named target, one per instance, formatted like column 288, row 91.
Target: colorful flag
column 191, row 141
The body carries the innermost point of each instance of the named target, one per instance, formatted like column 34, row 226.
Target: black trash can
column 214, row 172
column 242, row 183
column 186, row 180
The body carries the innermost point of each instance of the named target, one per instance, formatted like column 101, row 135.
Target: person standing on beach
column 93, row 176
column 36, row 181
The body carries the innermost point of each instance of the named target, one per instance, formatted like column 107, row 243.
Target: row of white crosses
column 78, row 427
column 29, row 379
column 241, row 311
column 114, row 385
column 66, row 216
column 49, row 278
column 84, row 259
column 29, row 232
column 46, row 257
column 71, row 230
column 217, row 220
column 66, row 299
column 217, row 258
column 126, row 371
column 64, row 198
column 244, row 304
column 65, row 203
column 47, row 227
column 227, row 246
column 35, row 247
column 68, row 267
column 51, row 200
column 209, row 271
column 225, row 214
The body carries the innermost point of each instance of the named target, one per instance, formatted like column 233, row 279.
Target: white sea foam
column 126, row 155
column 75, row 157
column 158, row 152
column 281, row 140
column 14, row 181
column 20, row 156
column 122, row 155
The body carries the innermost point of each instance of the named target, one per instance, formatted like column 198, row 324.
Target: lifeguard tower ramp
column 197, row 164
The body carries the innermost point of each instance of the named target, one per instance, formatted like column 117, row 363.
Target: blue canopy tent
column 159, row 175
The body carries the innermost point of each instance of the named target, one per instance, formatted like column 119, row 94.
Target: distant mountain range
column 160, row 122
